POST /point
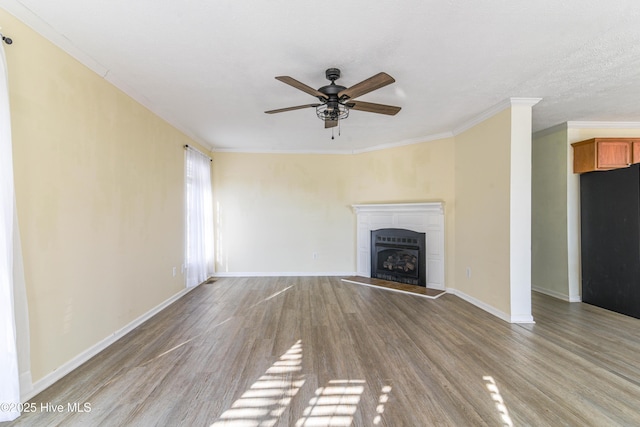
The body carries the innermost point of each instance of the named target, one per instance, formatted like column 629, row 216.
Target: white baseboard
column 491, row 309
column 527, row 318
column 556, row 294
column 284, row 274
column 72, row 364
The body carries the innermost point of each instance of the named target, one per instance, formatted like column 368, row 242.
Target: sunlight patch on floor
column 334, row 404
column 498, row 400
column 269, row 396
column 272, row 296
column 382, row 400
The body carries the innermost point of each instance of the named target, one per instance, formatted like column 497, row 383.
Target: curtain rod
column 7, row 40
column 188, row 147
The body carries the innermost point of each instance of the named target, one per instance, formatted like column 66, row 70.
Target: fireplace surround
column 427, row 218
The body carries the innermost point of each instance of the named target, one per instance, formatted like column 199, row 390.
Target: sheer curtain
column 10, row 382
column 199, row 218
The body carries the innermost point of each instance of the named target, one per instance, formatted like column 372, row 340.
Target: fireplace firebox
column 398, row 255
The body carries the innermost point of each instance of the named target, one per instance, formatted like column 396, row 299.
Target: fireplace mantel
column 421, row 217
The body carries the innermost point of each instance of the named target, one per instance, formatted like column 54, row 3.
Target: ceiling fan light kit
column 332, row 112
column 336, row 100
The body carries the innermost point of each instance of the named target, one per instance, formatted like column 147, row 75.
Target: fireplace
column 398, row 255
column 427, row 217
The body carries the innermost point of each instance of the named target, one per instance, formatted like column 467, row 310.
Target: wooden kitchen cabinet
column 598, row 154
column 635, row 151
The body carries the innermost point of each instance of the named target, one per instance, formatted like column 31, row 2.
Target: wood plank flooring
column 320, row 352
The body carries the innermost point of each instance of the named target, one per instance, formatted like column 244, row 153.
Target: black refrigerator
column 610, row 227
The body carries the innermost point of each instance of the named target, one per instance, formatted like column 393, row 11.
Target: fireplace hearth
column 398, row 255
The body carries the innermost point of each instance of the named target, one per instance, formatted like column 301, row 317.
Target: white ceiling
column 208, row 67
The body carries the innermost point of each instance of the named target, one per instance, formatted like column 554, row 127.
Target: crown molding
column 553, row 129
column 492, row 111
column 268, row 151
column 402, row 143
column 576, row 124
column 601, row 125
column 524, row 102
column 37, row 24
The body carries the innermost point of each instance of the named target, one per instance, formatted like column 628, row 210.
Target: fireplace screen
column 398, row 255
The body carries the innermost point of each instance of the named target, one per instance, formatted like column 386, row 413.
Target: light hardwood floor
column 321, row 352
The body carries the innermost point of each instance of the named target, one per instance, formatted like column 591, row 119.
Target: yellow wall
column 99, row 189
column 275, row 211
column 482, row 240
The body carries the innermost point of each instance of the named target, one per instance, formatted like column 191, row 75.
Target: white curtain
column 10, row 382
column 199, row 218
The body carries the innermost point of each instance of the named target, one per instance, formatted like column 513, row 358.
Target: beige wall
column 482, row 173
column 275, row 211
column 99, row 188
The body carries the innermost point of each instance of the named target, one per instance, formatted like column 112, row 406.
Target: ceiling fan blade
column 374, row 108
column 301, row 86
column 366, row 86
column 330, row 124
column 299, row 107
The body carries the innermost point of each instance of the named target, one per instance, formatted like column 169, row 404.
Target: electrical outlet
column 468, row 272
column 315, row 255
column 174, row 272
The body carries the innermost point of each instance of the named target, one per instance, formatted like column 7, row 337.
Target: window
column 199, row 218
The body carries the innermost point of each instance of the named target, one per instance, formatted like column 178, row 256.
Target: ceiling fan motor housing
column 333, row 89
column 332, row 74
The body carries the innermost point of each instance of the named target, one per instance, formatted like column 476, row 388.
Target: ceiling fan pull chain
column 332, row 134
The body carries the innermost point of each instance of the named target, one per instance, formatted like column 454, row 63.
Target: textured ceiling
column 208, row 67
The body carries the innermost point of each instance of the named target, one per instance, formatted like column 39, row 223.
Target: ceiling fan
column 336, row 100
